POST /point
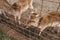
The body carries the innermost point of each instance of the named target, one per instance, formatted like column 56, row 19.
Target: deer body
column 51, row 19
column 21, row 6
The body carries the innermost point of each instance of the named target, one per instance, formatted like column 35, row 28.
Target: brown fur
column 32, row 20
column 49, row 18
column 45, row 20
column 31, row 17
column 21, row 6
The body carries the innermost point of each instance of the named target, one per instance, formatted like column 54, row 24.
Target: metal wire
column 40, row 15
column 42, row 5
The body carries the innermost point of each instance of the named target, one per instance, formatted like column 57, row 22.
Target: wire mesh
column 44, row 6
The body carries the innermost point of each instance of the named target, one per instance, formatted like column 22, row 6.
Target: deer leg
column 19, row 17
column 4, row 13
column 42, row 28
column 31, row 5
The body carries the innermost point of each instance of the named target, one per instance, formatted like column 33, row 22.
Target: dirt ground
column 43, row 7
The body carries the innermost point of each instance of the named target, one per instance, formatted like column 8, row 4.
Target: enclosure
column 19, row 31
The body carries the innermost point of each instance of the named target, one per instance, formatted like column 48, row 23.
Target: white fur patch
column 54, row 24
column 24, row 9
column 0, row 11
column 31, row 6
column 27, row 6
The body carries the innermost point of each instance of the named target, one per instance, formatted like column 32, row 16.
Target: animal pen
column 19, row 31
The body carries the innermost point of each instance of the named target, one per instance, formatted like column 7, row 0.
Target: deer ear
column 14, row 6
column 11, row 2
